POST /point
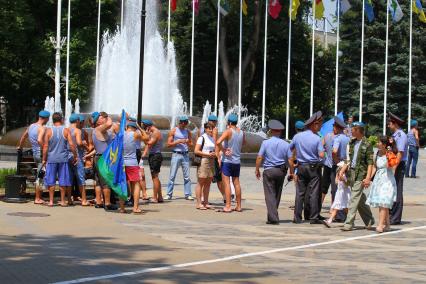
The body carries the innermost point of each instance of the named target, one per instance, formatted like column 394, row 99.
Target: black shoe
column 297, row 221
column 338, row 220
column 99, row 206
column 395, row 223
column 321, row 218
column 110, row 207
column 316, row 222
column 272, row 222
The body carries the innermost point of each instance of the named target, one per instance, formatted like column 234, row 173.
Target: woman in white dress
column 383, row 189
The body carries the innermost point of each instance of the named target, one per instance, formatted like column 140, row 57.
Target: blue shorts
column 60, row 171
column 231, row 170
column 77, row 174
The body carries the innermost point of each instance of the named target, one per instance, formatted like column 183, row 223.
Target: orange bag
column 392, row 159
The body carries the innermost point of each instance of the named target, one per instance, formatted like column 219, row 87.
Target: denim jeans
column 179, row 160
column 413, row 156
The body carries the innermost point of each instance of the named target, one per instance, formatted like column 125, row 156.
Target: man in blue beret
column 231, row 143
column 35, row 134
column 358, row 171
column 400, row 138
column 276, row 156
column 180, row 140
column 309, row 153
column 413, row 149
column 77, row 169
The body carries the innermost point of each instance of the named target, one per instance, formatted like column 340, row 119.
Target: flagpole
column 361, row 78
column 191, row 94
column 386, row 69
column 410, row 65
column 311, row 108
column 168, row 22
column 58, row 46
column 336, row 87
column 265, row 52
column 97, row 49
column 240, row 60
column 287, row 112
column 216, row 83
column 122, row 15
column 68, row 58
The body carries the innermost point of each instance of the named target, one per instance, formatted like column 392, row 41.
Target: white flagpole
column 240, row 60
column 265, row 52
column 122, row 15
column 336, row 87
column 58, row 60
column 168, row 22
column 216, row 83
column 386, row 69
column 361, row 77
column 287, row 112
column 97, row 49
column 311, row 108
column 410, row 65
column 68, row 58
column 191, row 94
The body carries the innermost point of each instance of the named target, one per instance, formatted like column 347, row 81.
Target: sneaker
column 346, row 229
column 189, row 197
column 168, row 197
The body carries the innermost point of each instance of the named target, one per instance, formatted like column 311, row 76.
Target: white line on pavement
column 228, row 258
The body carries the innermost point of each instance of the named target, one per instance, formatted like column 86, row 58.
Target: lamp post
column 141, row 61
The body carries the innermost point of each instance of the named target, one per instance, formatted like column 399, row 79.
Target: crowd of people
column 343, row 160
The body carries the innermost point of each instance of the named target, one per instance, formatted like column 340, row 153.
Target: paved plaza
column 175, row 243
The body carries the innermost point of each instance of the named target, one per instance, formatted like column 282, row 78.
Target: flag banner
column 319, row 9
column 395, row 11
column 173, row 5
column 244, row 7
column 369, row 10
column 196, row 5
column 418, row 9
column 111, row 163
column 224, row 7
column 294, row 7
column 344, row 6
column 274, row 8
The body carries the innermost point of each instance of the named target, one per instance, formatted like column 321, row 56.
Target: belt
column 279, row 167
column 310, row 164
column 180, row 153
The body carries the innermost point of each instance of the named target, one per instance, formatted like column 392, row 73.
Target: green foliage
column 4, row 173
column 373, row 140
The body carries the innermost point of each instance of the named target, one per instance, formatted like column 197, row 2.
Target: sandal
column 223, row 211
column 201, row 208
column 137, row 212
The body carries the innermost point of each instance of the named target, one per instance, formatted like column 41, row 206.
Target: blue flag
column 327, row 127
column 368, row 6
column 111, row 164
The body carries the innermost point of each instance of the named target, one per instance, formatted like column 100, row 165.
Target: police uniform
column 275, row 153
column 308, row 147
column 402, row 144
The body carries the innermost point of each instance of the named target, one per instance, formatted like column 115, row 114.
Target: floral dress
column 383, row 188
column 343, row 195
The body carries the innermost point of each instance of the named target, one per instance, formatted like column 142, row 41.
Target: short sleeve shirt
column 209, row 143
column 308, row 146
column 401, row 143
column 275, row 152
column 340, row 144
column 356, row 148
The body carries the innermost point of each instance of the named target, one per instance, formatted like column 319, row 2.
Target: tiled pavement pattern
column 79, row 242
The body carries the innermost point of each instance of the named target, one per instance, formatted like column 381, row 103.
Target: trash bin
column 16, row 189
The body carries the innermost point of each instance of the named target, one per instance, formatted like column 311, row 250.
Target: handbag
column 196, row 160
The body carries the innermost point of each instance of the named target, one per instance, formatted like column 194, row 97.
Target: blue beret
column 212, row 117
column 232, row 118
column 82, row 117
column 132, row 124
column 44, row 114
column 339, row 122
column 74, row 117
column 299, row 125
column 131, row 119
column 358, row 124
column 413, row 123
column 183, row 118
column 95, row 116
column 147, row 122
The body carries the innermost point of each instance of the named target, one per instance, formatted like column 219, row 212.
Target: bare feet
column 379, row 229
column 201, row 207
column 224, row 210
column 237, row 209
column 137, row 211
column 39, row 201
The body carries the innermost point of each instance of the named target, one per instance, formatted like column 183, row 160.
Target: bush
column 4, row 173
column 373, row 140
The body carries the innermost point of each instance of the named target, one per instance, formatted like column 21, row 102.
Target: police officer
column 275, row 154
column 309, row 152
column 401, row 141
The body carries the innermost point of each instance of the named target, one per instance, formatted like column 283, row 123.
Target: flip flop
column 146, row 198
column 40, row 203
column 63, row 205
column 137, row 212
column 223, row 211
column 86, row 204
column 239, row 211
column 201, row 208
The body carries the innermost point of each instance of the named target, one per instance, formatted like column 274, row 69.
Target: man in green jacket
column 359, row 169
